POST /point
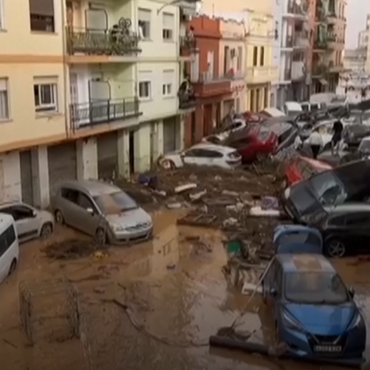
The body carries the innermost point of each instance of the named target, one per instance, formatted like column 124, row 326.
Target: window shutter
column 145, row 15
column 168, row 21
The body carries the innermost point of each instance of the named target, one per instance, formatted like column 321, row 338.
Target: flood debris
column 73, row 249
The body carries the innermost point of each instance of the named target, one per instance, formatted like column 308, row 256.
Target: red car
column 302, row 168
column 254, row 142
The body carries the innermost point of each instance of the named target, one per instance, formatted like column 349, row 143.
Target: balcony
column 208, row 85
column 298, row 70
column 321, row 15
column 319, row 70
column 114, row 42
column 300, row 40
column 103, row 111
column 187, row 101
column 320, row 44
column 188, row 45
column 259, row 75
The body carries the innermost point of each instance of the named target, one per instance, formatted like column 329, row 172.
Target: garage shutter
column 107, row 156
column 169, row 135
column 26, row 177
column 62, row 164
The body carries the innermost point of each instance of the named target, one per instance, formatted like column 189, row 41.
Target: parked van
column 9, row 247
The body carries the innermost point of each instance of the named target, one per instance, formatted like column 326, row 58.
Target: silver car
column 101, row 210
column 30, row 222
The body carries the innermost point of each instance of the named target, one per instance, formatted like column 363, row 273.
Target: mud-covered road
column 176, row 297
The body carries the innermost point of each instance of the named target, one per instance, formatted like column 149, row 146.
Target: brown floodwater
column 175, row 291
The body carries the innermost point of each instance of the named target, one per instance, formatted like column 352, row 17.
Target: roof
column 209, row 146
column 304, row 263
column 93, row 187
column 352, row 207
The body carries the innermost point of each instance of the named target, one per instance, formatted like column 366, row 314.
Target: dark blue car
column 314, row 312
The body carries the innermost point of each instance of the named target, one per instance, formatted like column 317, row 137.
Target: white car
column 30, row 223
column 202, row 155
column 216, row 138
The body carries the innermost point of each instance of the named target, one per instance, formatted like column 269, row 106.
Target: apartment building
column 354, row 60
column 328, row 44
column 87, row 90
column 292, row 50
column 363, row 39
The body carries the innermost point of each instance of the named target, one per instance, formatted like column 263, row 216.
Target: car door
column 90, row 215
column 27, row 225
column 215, row 158
column 267, row 283
column 358, row 230
column 189, row 157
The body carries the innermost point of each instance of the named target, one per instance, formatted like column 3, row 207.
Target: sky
column 356, row 18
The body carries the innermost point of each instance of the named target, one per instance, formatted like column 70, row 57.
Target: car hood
column 131, row 218
column 323, row 319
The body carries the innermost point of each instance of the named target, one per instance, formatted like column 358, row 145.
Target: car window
column 305, row 107
column 364, row 147
column 115, row 203
column 315, row 287
column 19, row 212
column 314, row 107
column 84, row 202
column 299, row 237
column 7, row 238
column 69, row 194
column 277, row 279
column 328, row 188
column 337, row 220
column 358, row 219
column 213, row 154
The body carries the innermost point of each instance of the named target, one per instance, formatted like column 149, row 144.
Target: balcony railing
column 98, row 42
column 186, row 101
column 188, row 44
column 208, row 84
column 103, row 111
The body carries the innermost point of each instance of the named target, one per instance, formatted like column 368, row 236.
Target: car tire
column 59, row 219
column 46, row 230
column 100, row 236
column 13, row 266
column 168, row 164
column 334, row 248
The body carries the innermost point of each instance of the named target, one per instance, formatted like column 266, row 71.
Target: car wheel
column 46, row 230
column 168, row 165
column 59, row 217
column 100, row 237
column 335, row 248
column 13, row 266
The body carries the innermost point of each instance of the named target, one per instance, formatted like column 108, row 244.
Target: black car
column 304, row 201
column 362, row 152
column 353, row 134
column 345, row 229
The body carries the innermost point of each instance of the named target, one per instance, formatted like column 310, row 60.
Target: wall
column 213, row 7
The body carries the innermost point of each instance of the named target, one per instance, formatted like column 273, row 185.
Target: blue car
column 313, row 311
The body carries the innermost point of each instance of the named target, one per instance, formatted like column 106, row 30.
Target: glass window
column 315, row 287
column 364, row 147
column 7, row 238
column 328, row 188
column 85, row 202
column 70, row 194
column 299, row 237
column 115, row 203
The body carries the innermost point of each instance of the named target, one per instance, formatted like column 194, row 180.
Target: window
column 115, row 203
column 144, row 89
column 19, row 212
column 1, row 14
column 239, row 60
column 70, row 194
column 168, row 79
column 4, row 98
column 84, row 202
column 226, row 59
column 42, row 15
column 262, row 56
column 7, row 238
column 45, row 95
column 168, row 26
column 144, row 16
column 255, row 55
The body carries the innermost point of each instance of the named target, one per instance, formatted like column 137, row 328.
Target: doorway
column 131, row 151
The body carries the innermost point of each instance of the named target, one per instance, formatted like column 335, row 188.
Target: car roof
column 303, row 262
column 218, row 148
column 352, row 207
column 92, row 187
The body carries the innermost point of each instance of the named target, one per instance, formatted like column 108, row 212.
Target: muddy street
column 147, row 306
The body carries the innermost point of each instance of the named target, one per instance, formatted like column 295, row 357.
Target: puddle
column 178, row 295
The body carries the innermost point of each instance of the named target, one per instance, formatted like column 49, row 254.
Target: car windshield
column 328, row 188
column 364, row 147
column 315, row 287
column 114, row 203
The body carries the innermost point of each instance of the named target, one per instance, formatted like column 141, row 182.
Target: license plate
column 328, row 349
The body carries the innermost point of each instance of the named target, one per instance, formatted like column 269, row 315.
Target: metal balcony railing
column 98, row 42
column 188, row 43
column 103, row 111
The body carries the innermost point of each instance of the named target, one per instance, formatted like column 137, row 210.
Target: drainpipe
column 65, row 69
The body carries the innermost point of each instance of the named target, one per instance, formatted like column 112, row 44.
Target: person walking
column 337, row 136
column 315, row 142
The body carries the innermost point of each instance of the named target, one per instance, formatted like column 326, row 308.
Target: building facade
column 90, row 92
column 355, row 60
column 292, row 50
column 328, row 44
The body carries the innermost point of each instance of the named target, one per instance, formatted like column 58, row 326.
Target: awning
column 323, row 82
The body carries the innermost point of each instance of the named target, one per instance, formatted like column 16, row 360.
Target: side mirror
column 90, row 210
column 34, row 213
column 351, row 292
column 273, row 292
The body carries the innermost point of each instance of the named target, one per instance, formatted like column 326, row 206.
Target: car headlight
column 117, row 228
column 291, row 323
column 356, row 321
column 287, row 193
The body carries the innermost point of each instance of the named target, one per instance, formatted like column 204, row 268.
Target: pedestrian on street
column 337, row 136
column 315, row 142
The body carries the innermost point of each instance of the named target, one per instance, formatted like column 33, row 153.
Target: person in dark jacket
column 337, row 136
